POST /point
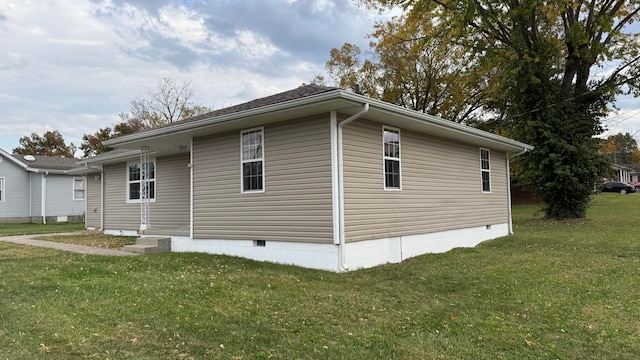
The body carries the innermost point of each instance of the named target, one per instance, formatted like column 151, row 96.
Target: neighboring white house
column 315, row 176
column 40, row 189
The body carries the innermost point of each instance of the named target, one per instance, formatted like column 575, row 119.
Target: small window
column 1, row 189
column 78, row 189
column 252, row 159
column 485, row 169
column 135, row 186
column 391, row 145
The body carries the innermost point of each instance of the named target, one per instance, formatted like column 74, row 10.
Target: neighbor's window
column 485, row 170
column 134, row 181
column 391, row 144
column 78, row 189
column 1, row 189
column 252, row 154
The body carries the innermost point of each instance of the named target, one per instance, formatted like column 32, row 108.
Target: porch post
column 144, row 189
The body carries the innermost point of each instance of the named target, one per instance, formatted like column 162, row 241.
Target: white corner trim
column 335, row 177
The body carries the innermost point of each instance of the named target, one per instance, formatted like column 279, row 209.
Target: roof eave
column 421, row 120
column 433, row 122
column 107, row 158
column 222, row 119
column 14, row 160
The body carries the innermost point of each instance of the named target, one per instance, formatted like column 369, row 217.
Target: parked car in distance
column 619, row 187
column 636, row 185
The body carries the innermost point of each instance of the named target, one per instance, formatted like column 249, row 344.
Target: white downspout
column 43, row 205
column 30, row 196
column 102, row 200
column 191, row 190
column 341, row 235
column 508, row 157
column 85, row 181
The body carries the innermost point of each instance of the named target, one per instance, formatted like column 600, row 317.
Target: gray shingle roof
column 298, row 93
column 47, row 162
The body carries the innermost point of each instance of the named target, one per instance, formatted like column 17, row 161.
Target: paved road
column 81, row 249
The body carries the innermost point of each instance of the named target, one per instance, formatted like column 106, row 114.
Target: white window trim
column 2, row 192
column 84, row 190
column 485, row 170
column 155, row 180
column 384, row 158
column 242, row 161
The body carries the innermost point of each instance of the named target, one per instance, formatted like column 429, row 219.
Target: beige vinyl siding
column 171, row 207
column 118, row 214
column 441, row 185
column 296, row 203
column 94, row 207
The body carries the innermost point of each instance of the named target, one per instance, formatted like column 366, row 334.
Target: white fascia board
column 419, row 120
column 109, row 158
column 11, row 158
column 26, row 167
column 222, row 119
column 430, row 121
column 86, row 169
column 49, row 171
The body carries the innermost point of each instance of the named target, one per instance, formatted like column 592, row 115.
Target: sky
column 74, row 65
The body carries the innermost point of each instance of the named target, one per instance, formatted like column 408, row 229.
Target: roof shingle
column 47, row 162
column 298, row 93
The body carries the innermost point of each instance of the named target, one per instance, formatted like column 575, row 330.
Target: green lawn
column 555, row 290
column 32, row 228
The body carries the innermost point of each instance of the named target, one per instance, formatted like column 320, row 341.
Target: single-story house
column 629, row 173
column 315, row 176
column 40, row 189
column 622, row 172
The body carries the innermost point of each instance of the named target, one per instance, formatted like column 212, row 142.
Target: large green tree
column 410, row 65
column 51, row 143
column 547, row 91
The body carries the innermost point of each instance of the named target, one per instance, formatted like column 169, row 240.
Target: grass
column 565, row 290
column 33, row 228
column 87, row 238
column 94, row 239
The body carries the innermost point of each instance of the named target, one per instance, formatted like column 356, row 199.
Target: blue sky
column 74, row 65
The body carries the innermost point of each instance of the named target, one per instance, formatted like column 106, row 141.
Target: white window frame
column 244, row 161
column 2, row 193
column 84, row 188
column 393, row 158
column 483, row 170
column 128, row 182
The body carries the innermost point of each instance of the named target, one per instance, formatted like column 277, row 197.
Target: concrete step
column 150, row 245
column 153, row 240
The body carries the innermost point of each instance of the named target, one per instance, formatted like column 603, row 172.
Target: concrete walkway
column 80, row 249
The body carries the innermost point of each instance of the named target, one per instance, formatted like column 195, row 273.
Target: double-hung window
column 485, row 170
column 391, row 146
column 1, row 189
column 135, row 185
column 252, row 160
column 78, row 189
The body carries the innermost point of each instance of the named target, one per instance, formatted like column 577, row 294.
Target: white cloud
column 74, row 65
column 74, row 57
